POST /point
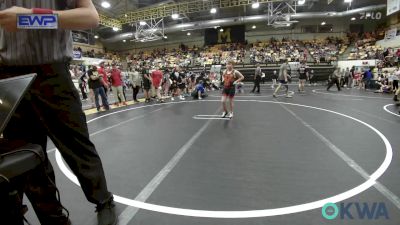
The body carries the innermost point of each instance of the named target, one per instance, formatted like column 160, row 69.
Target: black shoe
column 395, row 98
column 106, row 213
column 59, row 220
column 55, row 217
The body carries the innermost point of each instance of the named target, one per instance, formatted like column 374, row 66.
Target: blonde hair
column 231, row 62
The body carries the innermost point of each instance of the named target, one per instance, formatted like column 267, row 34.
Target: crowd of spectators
column 366, row 49
column 116, row 80
column 326, row 50
column 313, row 51
column 96, row 54
column 274, row 51
column 185, row 56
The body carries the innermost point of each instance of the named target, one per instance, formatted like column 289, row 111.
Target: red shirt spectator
column 103, row 73
column 116, row 79
column 156, row 77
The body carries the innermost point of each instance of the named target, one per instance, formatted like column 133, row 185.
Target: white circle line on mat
column 319, row 91
column 251, row 213
column 387, row 110
column 254, row 96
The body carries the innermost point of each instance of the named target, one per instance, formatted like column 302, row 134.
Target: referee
column 52, row 107
column 335, row 79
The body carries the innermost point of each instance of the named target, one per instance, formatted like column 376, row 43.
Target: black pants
column 195, row 94
column 367, row 83
column 82, row 87
column 135, row 92
column 124, row 92
column 256, row 85
column 334, row 81
column 52, row 108
column 346, row 81
column 395, row 84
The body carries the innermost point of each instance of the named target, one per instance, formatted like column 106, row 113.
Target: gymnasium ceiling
column 120, row 7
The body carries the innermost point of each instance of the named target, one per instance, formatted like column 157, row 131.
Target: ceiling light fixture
column 175, row 16
column 255, row 5
column 323, row 23
column 221, row 30
column 254, row 27
column 353, row 18
column 105, row 4
column 301, row 2
column 213, row 11
column 188, row 34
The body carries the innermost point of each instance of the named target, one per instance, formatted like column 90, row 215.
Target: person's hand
column 8, row 17
column 286, row 80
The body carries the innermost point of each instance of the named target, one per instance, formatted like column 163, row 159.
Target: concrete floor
column 274, row 153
